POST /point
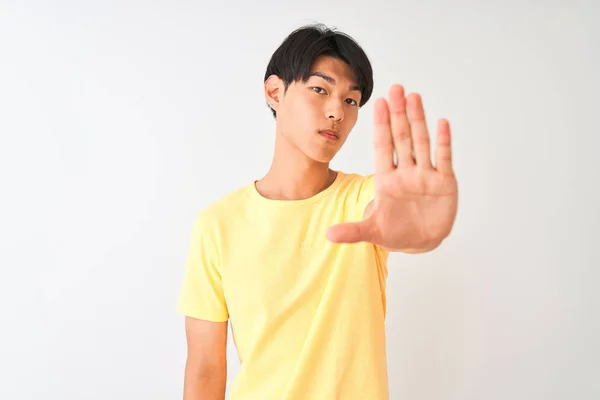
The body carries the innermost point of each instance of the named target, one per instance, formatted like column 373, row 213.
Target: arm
column 206, row 365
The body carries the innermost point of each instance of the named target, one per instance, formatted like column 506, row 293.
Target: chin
column 323, row 156
column 320, row 150
column 322, row 160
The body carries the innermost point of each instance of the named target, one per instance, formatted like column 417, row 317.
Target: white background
column 119, row 120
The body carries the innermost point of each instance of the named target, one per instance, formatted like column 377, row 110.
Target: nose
column 335, row 110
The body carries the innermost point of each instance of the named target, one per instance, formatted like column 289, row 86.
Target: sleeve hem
column 207, row 316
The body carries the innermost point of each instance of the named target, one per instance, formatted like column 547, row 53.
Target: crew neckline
column 255, row 194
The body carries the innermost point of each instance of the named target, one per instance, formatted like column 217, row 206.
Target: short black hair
column 293, row 59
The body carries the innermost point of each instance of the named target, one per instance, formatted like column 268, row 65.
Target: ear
column 273, row 91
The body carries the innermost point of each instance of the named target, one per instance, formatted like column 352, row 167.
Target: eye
column 319, row 90
column 352, row 102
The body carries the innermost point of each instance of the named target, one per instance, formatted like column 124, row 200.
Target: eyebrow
column 331, row 80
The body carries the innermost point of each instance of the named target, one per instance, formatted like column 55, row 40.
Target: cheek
column 308, row 102
column 350, row 119
column 347, row 126
column 307, row 110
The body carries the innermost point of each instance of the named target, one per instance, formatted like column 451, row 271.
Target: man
column 297, row 260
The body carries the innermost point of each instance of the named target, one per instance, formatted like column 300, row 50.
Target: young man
column 297, row 260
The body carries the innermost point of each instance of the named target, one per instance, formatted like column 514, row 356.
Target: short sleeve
column 201, row 295
column 365, row 193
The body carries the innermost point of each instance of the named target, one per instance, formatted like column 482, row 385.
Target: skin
column 300, row 165
column 415, row 200
column 205, row 375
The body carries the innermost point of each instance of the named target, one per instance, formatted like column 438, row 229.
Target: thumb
column 351, row 232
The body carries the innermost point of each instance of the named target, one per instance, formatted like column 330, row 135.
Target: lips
column 331, row 135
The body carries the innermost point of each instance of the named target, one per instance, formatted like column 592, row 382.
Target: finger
column 351, row 232
column 418, row 127
column 400, row 127
column 443, row 149
column 382, row 140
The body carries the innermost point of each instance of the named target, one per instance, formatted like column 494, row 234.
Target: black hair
column 293, row 59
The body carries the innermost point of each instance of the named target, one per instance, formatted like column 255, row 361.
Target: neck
column 293, row 175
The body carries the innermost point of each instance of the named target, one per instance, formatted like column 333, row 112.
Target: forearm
column 204, row 384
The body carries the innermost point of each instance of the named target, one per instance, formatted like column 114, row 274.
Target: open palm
column 415, row 202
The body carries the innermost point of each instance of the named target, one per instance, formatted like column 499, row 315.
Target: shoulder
column 225, row 209
column 355, row 184
column 355, row 192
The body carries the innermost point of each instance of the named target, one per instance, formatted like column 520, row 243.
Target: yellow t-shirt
column 307, row 315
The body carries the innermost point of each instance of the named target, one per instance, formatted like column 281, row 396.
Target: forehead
column 335, row 68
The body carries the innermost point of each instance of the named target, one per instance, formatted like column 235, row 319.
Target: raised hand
column 415, row 202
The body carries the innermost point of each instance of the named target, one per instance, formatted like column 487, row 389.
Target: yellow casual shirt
column 307, row 315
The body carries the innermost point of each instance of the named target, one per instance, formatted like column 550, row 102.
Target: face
column 316, row 116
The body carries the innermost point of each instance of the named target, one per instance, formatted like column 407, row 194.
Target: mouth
column 330, row 135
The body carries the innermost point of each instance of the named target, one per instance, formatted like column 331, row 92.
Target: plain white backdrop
column 119, row 120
